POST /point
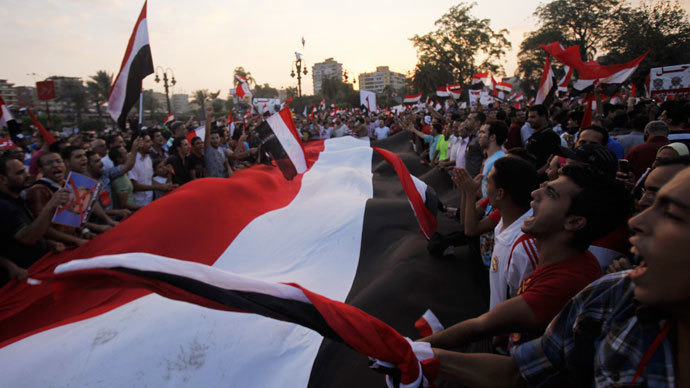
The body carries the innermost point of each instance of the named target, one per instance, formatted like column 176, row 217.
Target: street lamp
column 298, row 66
column 165, row 82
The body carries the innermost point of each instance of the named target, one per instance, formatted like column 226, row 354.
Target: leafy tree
column 265, row 91
column 460, row 46
column 531, row 57
column 585, row 23
column 661, row 26
column 98, row 87
column 291, row 91
column 199, row 97
column 73, row 93
column 244, row 73
column 150, row 103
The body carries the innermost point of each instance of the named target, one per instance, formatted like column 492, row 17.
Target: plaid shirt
column 599, row 339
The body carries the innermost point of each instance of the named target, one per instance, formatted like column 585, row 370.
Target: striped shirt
column 599, row 339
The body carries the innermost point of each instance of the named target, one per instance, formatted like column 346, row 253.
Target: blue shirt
column 598, row 339
column 615, row 146
column 488, row 165
column 432, row 144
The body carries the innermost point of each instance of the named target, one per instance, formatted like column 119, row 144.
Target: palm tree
column 98, row 88
column 240, row 71
column 199, row 98
column 73, row 93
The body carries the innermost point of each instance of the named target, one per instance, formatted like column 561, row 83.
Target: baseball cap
column 596, row 155
column 680, row 148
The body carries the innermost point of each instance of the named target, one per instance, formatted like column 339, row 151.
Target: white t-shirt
column 504, row 277
column 340, row 132
column 381, row 132
column 142, row 172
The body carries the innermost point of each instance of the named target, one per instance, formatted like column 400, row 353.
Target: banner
column 45, row 90
column 368, row 99
column 670, row 81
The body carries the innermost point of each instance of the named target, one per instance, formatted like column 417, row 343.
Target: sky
column 202, row 41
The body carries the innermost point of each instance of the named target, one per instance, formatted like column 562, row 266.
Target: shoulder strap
column 522, row 238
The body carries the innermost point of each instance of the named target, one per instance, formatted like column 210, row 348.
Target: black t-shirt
column 15, row 216
column 180, row 169
column 543, row 144
column 196, row 163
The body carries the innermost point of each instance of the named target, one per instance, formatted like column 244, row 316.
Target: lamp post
column 298, row 66
column 165, row 82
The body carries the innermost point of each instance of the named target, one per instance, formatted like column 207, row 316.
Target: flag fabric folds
column 428, row 324
column 442, row 91
column 480, row 79
column 326, row 229
column 169, row 119
column 281, row 139
column 47, row 137
column 412, row 98
column 136, row 65
column 221, row 290
column 368, row 99
column 565, row 81
column 547, row 85
column 7, row 120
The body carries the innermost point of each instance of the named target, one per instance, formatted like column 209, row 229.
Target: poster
column 84, row 192
column 670, row 81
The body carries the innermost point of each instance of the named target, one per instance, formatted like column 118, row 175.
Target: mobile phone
column 623, row 166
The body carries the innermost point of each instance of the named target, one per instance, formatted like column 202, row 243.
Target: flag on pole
column 442, row 91
column 136, row 65
column 169, row 119
column 7, row 120
column 242, row 90
column 47, row 137
column 455, row 90
column 547, row 85
column 565, row 81
column 412, row 98
column 479, row 80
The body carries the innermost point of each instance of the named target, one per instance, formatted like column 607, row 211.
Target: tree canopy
column 460, row 46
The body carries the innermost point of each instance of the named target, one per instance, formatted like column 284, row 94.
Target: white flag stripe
column 147, row 262
column 119, row 91
column 432, row 320
column 292, row 148
column 175, row 343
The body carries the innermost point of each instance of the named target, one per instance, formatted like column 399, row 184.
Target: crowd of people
column 549, row 206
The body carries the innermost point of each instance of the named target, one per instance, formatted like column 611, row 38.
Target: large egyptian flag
column 136, row 65
column 344, row 229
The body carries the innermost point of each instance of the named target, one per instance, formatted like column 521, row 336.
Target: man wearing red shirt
column 642, row 156
column 579, row 207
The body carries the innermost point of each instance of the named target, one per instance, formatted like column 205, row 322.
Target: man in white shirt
column 341, row 129
column 514, row 255
column 381, row 132
column 142, row 175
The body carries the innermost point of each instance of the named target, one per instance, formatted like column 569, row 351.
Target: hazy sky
column 204, row 40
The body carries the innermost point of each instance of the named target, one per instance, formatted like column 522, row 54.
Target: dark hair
column 498, row 129
column 4, row 159
column 40, row 158
column 639, row 122
column 481, row 117
column 110, row 139
column 177, row 142
column 576, row 116
column 540, row 109
column 602, row 131
column 438, row 127
column 114, row 154
column 89, row 154
column 517, row 177
column 620, row 120
column 152, row 131
column 66, row 153
column 602, row 201
column 677, row 113
column 216, row 132
column 523, row 154
column 195, row 138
